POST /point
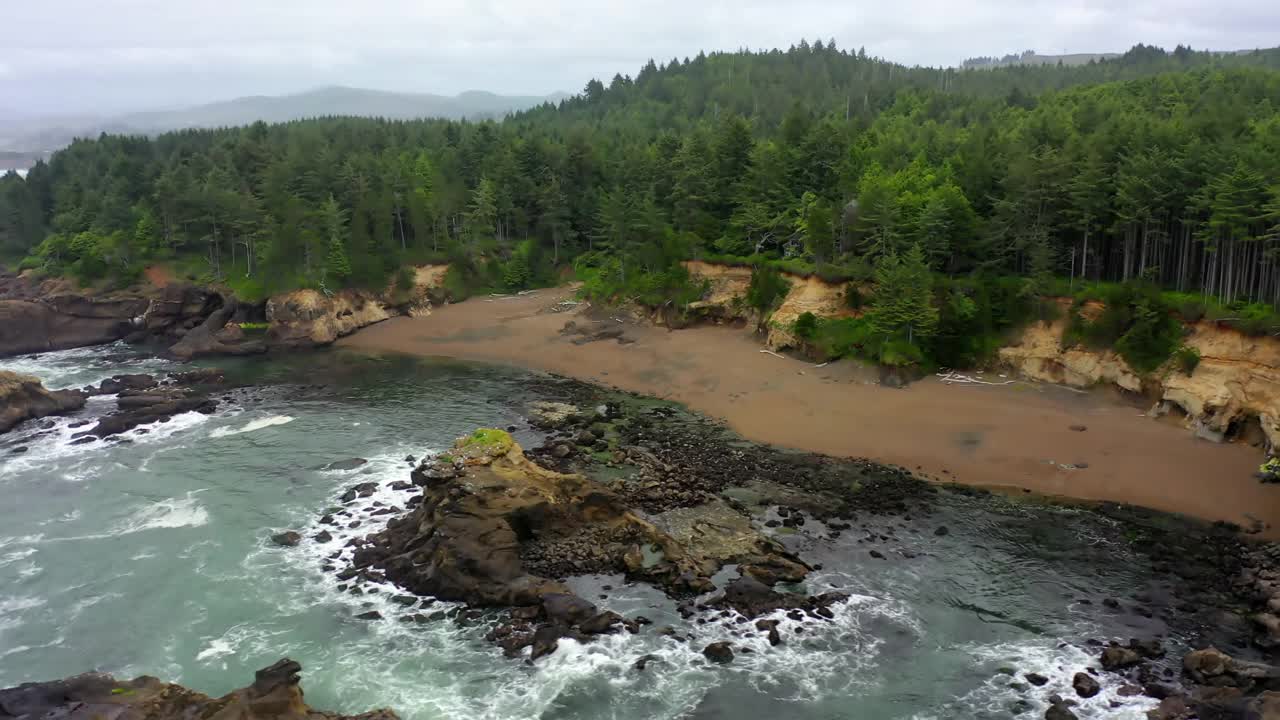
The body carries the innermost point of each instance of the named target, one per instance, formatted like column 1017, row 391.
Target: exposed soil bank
column 1017, row 436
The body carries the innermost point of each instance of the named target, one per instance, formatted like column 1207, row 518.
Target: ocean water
column 151, row 554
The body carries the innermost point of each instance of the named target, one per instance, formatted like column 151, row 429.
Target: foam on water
column 821, row 660
column 59, row 443
column 171, row 513
column 1057, row 661
column 252, row 425
column 85, row 366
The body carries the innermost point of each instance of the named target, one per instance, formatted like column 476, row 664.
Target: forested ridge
column 1163, row 167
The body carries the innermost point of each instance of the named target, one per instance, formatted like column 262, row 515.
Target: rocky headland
column 275, row 694
column 40, row 314
column 663, row 497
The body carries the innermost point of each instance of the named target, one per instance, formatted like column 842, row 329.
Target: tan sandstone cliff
column 1236, row 382
column 728, row 289
column 307, row 318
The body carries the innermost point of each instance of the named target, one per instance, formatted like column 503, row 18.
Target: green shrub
column 897, row 352
column 1135, row 321
column 405, row 279
column 806, row 325
column 1187, row 358
column 767, row 288
column 853, row 298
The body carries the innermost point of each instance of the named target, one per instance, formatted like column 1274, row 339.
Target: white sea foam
column 171, row 513
column 218, row 648
column 829, row 658
column 252, row 425
column 84, row 366
column 61, row 443
column 1057, row 661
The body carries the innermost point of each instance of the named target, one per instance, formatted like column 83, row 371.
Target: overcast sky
column 96, row 56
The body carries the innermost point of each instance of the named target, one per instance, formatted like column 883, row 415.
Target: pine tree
column 336, row 265
column 904, row 297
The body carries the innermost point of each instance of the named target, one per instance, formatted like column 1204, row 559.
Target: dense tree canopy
column 1157, row 165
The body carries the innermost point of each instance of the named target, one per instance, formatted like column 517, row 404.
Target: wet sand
column 1013, row 437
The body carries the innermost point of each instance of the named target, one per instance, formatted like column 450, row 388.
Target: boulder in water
column 719, row 652
column 348, row 464
column 1119, row 658
column 288, row 538
column 1085, row 685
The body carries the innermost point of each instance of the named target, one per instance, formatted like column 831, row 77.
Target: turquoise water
column 152, row 556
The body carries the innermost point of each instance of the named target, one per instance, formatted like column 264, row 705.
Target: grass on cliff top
column 488, row 441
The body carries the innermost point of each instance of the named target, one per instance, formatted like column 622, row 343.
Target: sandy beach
column 1016, row 436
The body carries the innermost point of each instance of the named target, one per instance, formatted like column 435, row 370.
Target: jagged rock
column 59, row 323
column 545, row 640
column 307, row 318
column 1119, row 658
column 1212, row 666
column 348, row 464
column 23, row 397
column 140, row 407
column 719, row 652
column 567, row 608
column 605, row 622
column 468, row 537
column 1036, row 679
column 288, row 538
column 644, row 661
column 215, row 337
column 1085, row 685
column 752, row 598
column 119, row 383
column 274, row 695
column 1059, row 711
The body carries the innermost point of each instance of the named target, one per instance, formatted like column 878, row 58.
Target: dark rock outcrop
column 719, row 652
column 463, row 542
column 1085, row 685
column 215, row 337
column 274, row 695
column 141, row 399
column 23, row 397
column 42, row 315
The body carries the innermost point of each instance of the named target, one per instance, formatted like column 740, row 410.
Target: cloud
column 140, row 53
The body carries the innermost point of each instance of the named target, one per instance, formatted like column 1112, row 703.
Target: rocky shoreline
column 139, row 400
column 189, row 320
column 275, row 694
column 631, row 486
column 627, row 485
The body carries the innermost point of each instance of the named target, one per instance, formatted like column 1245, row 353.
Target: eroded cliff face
column 726, row 299
column 807, row 294
column 42, row 314
column 308, row 318
column 1236, row 382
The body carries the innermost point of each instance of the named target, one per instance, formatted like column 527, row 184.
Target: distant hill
column 1031, row 57
column 338, row 101
column 26, row 134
